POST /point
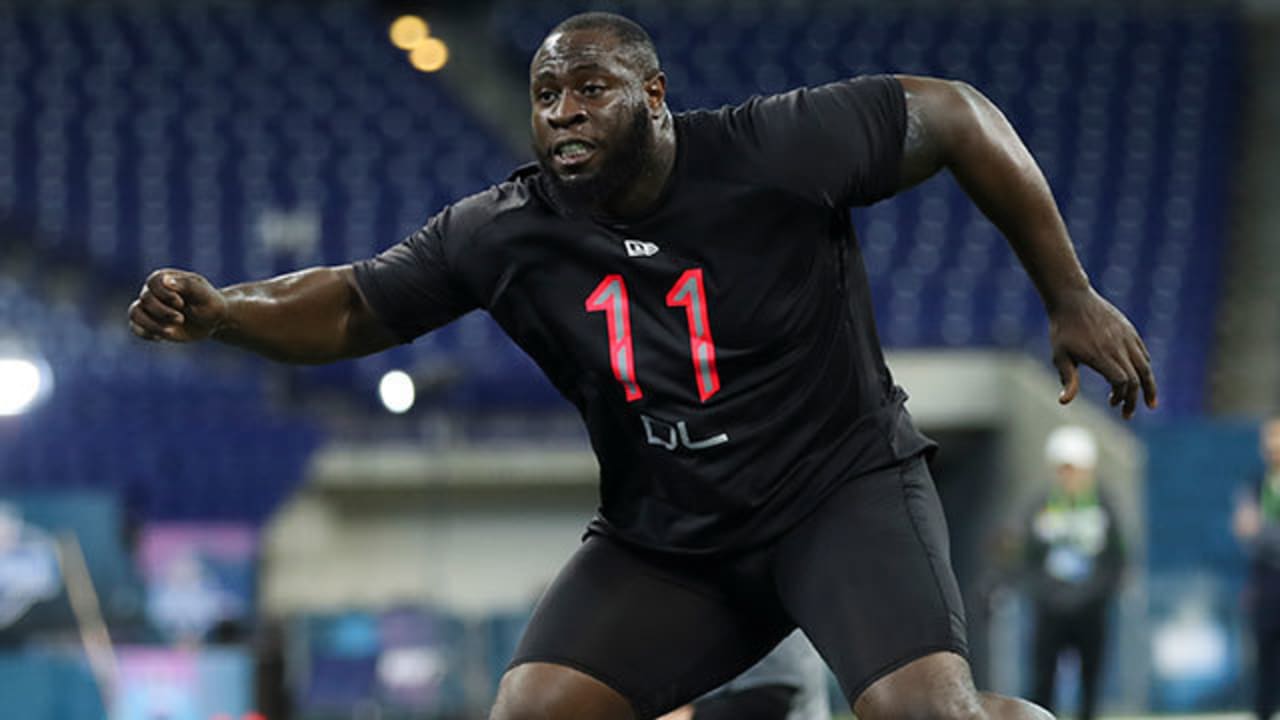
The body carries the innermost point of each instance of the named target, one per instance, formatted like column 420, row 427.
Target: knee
column 999, row 706
column 956, row 705
column 932, row 705
column 924, row 699
column 542, row 691
column 527, row 693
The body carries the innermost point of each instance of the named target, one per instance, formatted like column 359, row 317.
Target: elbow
column 362, row 331
column 970, row 111
column 980, row 127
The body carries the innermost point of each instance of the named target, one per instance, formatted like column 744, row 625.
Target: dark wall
column 967, row 473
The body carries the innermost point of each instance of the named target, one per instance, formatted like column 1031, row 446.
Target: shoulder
column 720, row 142
column 484, row 219
column 466, row 218
column 837, row 144
column 846, row 93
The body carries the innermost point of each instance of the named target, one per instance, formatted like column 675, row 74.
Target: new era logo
column 640, row 248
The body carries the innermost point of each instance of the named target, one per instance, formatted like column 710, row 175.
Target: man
column 1075, row 559
column 1257, row 526
column 691, row 284
column 790, row 683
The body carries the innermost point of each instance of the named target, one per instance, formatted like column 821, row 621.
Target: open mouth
column 573, row 152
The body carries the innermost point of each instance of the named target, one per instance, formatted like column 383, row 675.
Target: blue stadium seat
column 188, row 439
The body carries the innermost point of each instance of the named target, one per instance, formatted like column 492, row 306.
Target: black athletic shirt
column 722, row 349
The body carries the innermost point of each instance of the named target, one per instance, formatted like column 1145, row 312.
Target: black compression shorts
column 867, row 576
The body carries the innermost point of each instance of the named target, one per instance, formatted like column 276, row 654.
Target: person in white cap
column 1075, row 559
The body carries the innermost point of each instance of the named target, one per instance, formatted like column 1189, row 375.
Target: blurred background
column 190, row 533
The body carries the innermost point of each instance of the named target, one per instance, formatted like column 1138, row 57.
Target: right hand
column 178, row 306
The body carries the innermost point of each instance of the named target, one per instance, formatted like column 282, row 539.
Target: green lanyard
column 1271, row 496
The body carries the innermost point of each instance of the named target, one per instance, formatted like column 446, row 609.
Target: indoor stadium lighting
column 408, row 31
column 429, row 55
column 23, row 381
column 396, row 391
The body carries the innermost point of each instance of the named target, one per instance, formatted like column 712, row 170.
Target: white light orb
column 396, row 391
column 22, row 382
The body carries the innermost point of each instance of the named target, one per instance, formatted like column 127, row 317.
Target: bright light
column 1192, row 645
column 429, row 55
column 408, row 31
column 21, row 383
column 396, row 391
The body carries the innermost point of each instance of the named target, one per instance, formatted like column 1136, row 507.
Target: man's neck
column 644, row 193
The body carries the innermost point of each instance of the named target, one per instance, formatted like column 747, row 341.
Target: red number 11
column 610, row 296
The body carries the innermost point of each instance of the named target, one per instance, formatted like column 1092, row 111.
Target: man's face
column 1074, row 479
column 592, row 131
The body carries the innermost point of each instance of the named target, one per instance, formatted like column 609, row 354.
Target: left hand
column 1085, row 328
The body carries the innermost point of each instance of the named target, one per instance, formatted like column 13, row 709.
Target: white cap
column 1071, row 445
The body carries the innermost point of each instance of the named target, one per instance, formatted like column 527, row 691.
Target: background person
column 1257, row 525
column 1075, row 558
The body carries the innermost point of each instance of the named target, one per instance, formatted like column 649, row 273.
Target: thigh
column 868, row 577
column 660, row 631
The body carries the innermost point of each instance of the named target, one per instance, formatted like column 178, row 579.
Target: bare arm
column 308, row 317
column 951, row 125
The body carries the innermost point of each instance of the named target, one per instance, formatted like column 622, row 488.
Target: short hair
column 632, row 39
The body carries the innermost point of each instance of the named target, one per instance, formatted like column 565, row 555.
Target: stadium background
column 260, row 539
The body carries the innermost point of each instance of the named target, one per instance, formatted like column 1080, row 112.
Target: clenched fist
column 178, row 306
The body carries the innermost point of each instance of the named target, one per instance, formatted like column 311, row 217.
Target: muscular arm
column 951, row 125
column 308, row 317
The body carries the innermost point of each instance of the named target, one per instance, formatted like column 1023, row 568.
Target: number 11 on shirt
column 610, row 296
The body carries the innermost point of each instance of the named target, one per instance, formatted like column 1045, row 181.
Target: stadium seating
column 174, row 437
column 243, row 139
column 240, row 140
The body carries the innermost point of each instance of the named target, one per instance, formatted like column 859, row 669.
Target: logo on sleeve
column 640, row 248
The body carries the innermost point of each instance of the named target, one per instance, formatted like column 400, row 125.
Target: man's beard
column 630, row 155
